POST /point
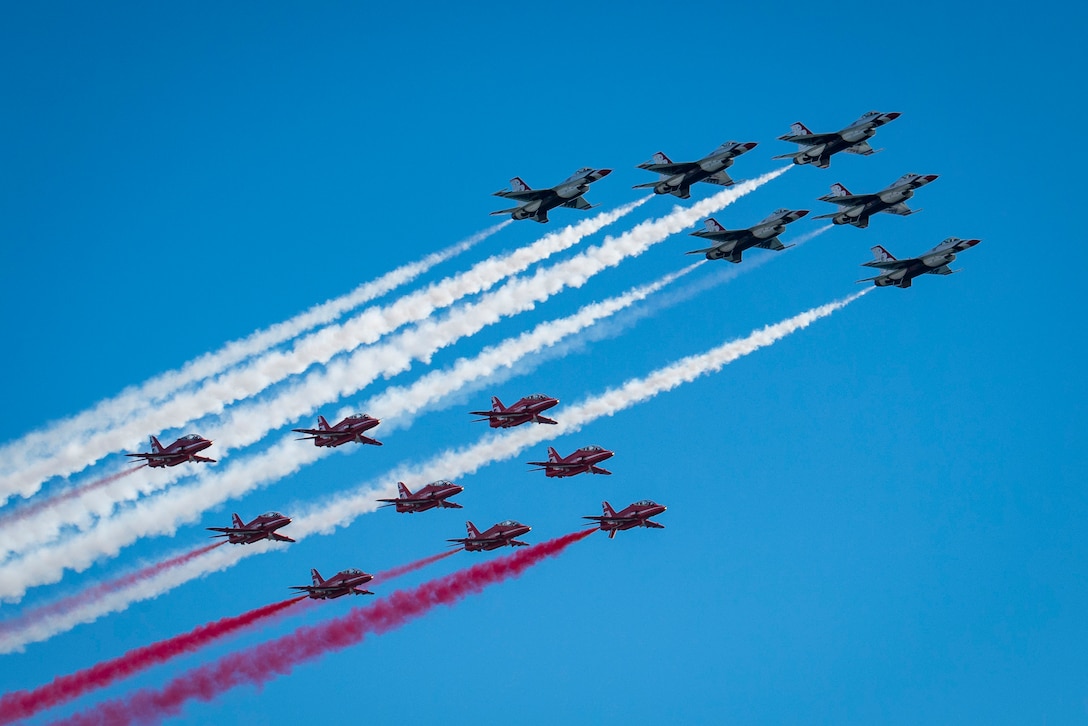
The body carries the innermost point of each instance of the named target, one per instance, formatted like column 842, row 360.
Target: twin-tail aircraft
column 899, row 273
column 523, row 411
column 818, row 148
column 677, row 177
column 634, row 515
column 347, row 431
column 855, row 209
column 581, row 461
column 345, row 582
column 179, row 452
column 432, row 496
column 731, row 244
column 263, row 527
column 535, row 204
column 499, row 535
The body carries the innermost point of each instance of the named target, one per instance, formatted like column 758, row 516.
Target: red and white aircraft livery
column 583, row 460
column 348, row 430
column 499, row 535
column 431, row 496
column 345, row 582
column 263, row 527
column 525, row 410
column 179, row 452
column 634, row 515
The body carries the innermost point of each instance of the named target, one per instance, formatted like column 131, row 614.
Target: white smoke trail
column 106, row 413
column 341, row 510
column 250, row 423
column 317, row 348
column 397, row 405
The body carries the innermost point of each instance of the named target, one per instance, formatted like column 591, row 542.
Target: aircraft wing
column 772, row 244
column 318, row 432
column 810, row 139
column 577, row 203
column 529, row 195
column 231, row 530
column 719, row 238
column 203, row 459
column 721, row 179
column 849, row 200
column 655, row 525
column 861, row 148
column 555, row 465
column 670, row 169
column 891, row 264
column 942, row 270
column 901, row 209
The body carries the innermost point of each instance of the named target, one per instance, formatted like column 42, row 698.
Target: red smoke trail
column 264, row 662
column 23, row 704
column 23, row 512
column 69, row 603
column 412, row 566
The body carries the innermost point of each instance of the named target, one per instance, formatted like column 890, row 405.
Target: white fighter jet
column 818, row 148
column 730, row 244
column 899, row 273
column 535, row 204
column 677, row 177
column 856, row 209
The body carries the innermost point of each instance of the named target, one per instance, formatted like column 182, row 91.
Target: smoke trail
column 63, row 607
column 395, row 572
column 260, row 664
column 23, row 704
column 317, row 348
column 339, row 379
column 341, row 510
column 23, row 513
column 42, row 443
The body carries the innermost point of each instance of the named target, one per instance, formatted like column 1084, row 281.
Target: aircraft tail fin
column 553, row 455
column 496, row 404
column 799, row 129
column 608, row 510
column 322, row 423
column 519, row 185
column 712, row 225
column 838, row 190
column 881, row 255
column 403, row 490
column 660, row 158
column 316, row 577
column 156, row 447
column 473, row 533
column 237, row 521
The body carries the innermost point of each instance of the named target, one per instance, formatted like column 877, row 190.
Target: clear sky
column 879, row 519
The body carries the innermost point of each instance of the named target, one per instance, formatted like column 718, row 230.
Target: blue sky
column 878, row 519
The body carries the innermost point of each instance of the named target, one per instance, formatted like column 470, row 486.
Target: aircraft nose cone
column 971, row 242
column 801, row 212
column 750, row 145
column 604, row 172
column 893, row 115
column 930, row 177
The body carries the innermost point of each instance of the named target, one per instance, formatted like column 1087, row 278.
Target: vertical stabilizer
column 403, row 490
column 237, row 521
column 473, row 533
column 496, row 404
column 882, row 255
column 518, row 185
column 316, row 577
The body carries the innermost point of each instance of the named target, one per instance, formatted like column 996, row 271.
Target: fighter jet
column 730, row 244
column 179, row 452
column 499, row 535
column 263, row 527
column 677, row 177
column 345, row 582
column 899, row 273
column 431, row 496
column 523, row 411
column 634, row 515
column 348, row 430
column 856, row 209
column 818, row 148
column 535, row 204
column 583, row 460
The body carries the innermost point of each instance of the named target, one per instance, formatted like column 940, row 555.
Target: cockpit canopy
column 191, row 437
column 357, row 416
column 510, row 523
column 271, row 515
column 592, row 448
column 536, row 397
column 646, row 503
column 353, row 571
column 442, row 483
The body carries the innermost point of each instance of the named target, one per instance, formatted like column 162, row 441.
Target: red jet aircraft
column 179, row 452
column 431, row 496
column 263, row 527
column 635, row 515
column 525, row 410
column 500, row 535
column 581, row 461
column 350, row 429
column 345, row 582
